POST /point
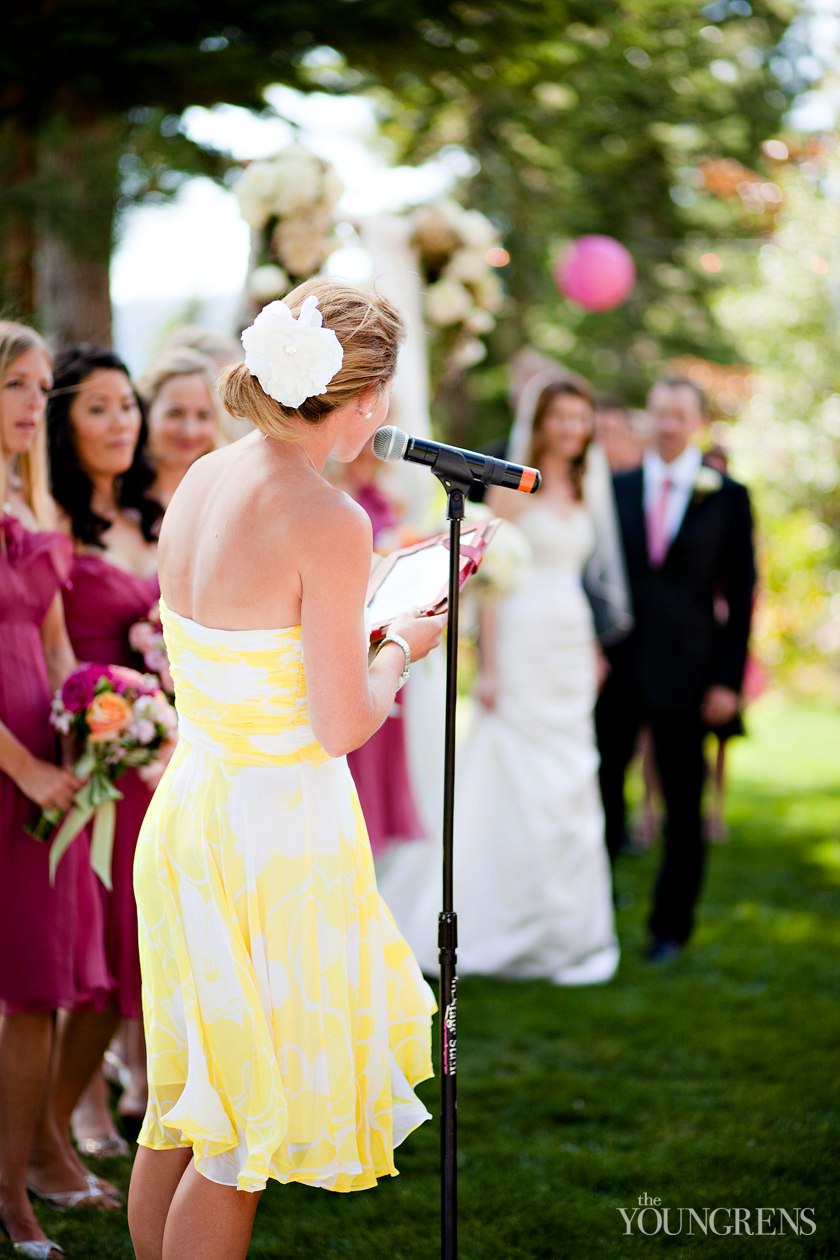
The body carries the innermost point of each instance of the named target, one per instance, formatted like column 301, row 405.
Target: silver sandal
column 111, row 1147
column 35, row 1248
column 65, row 1200
column 38, row 1249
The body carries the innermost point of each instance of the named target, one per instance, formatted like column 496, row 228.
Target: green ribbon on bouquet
column 97, row 801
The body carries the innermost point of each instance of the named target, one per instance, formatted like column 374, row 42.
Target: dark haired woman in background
column 531, row 864
column 101, row 479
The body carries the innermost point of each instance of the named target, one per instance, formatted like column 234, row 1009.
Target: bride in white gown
column 531, row 874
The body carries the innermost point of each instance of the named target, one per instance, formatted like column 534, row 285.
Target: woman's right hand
column 47, row 785
column 486, row 689
column 422, row 634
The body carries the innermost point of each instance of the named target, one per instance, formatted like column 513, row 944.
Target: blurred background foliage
column 781, row 310
column 578, row 117
column 662, row 123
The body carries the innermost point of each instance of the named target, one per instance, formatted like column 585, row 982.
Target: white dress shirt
column 682, row 473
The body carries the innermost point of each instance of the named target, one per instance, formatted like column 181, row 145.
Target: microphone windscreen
column 390, row 442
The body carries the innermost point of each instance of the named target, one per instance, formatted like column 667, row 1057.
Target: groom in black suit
column 687, row 535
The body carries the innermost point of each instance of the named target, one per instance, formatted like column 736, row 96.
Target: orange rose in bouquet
column 107, row 717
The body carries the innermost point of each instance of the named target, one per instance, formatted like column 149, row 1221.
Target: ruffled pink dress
column 380, row 767
column 43, row 963
column 101, row 604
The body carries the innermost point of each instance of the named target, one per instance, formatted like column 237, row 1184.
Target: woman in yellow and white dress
column 286, row 1019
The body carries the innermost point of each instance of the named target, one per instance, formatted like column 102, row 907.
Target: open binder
column 418, row 576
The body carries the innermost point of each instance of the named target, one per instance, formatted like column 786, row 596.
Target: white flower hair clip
column 293, row 359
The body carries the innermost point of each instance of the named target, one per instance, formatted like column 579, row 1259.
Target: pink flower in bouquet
column 152, row 773
column 158, row 662
column 143, row 730
column 166, row 714
column 125, row 679
column 108, row 715
column 146, row 638
column 80, row 687
column 142, row 636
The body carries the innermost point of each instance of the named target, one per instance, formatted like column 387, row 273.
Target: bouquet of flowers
column 288, row 201
column 146, row 639
column 120, row 719
column 458, row 250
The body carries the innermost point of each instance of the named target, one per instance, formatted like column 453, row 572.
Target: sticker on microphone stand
column 450, row 1033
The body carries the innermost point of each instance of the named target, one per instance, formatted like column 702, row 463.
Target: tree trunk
column 73, row 298
column 78, row 167
column 17, row 283
column 19, row 269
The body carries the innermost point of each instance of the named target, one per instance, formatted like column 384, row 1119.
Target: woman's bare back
column 238, row 532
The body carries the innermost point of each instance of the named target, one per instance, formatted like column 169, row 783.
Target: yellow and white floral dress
column 286, row 1018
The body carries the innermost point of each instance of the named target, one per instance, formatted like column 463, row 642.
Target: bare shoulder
column 200, row 474
column 193, row 490
column 330, row 520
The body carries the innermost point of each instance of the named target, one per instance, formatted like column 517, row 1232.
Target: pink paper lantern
column 596, row 272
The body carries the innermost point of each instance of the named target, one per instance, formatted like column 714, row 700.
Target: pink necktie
column 656, row 518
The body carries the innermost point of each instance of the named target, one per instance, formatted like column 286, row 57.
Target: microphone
column 453, row 462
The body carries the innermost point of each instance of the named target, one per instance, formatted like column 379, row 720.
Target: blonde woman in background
column 40, row 962
column 179, row 390
column 223, row 352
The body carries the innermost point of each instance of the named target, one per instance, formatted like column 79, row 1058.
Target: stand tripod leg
column 448, row 922
column 448, row 1002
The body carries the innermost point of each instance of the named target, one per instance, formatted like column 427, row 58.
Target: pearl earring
column 368, row 415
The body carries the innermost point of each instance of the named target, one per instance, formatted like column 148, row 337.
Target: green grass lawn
column 710, row 1082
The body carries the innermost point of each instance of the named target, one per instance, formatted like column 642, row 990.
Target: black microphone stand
column 454, row 474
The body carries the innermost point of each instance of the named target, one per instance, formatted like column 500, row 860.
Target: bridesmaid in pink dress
column 101, row 604
column 380, row 767
column 101, row 479
column 40, row 966
column 184, row 413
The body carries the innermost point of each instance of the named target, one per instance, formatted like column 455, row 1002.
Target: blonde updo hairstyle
column 175, row 361
column 15, row 340
column 370, row 331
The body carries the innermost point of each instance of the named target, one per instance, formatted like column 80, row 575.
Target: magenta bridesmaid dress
column 380, row 767
column 42, row 963
column 101, row 604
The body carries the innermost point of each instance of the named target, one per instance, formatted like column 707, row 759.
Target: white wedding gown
column 532, row 886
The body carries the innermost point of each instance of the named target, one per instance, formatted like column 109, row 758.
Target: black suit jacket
column 677, row 648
